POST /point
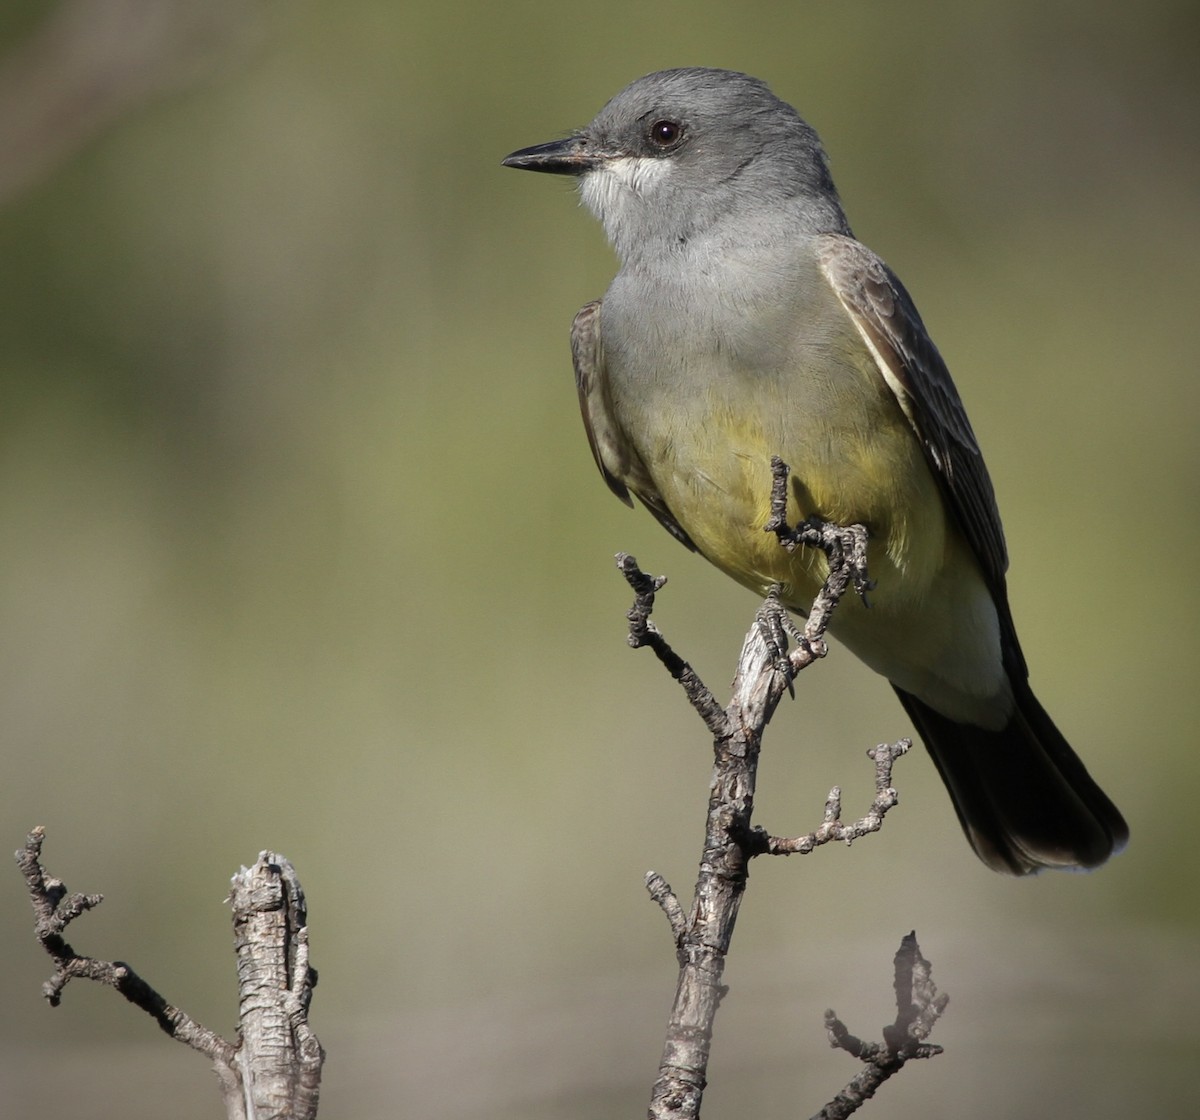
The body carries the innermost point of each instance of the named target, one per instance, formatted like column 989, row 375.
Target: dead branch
column 273, row 1072
column 765, row 669
column 918, row 1007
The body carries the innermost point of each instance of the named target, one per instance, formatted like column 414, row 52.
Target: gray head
column 679, row 153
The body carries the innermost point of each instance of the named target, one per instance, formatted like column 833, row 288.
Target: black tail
column 1023, row 797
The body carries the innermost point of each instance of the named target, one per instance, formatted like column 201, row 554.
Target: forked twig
column 765, row 670
column 273, row 1072
column 918, row 1008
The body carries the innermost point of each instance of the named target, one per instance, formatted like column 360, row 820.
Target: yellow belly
column 716, row 479
column 931, row 627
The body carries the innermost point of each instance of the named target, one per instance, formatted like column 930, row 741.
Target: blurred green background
column 303, row 548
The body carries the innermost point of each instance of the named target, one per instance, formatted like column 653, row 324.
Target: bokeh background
column 303, row 549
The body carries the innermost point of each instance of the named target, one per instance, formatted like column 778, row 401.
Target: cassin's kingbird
column 746, row 322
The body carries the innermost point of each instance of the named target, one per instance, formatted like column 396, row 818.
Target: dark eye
column 666, row 133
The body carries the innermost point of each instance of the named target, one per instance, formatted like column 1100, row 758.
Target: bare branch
column 54, row 911
column 832, row 827
column 918, row 1008
column 643, row 632
column 847, row 543
column 660, row 891
column 703, row 935
column 282, row 1059
column 765, row 671
column 274, row 1071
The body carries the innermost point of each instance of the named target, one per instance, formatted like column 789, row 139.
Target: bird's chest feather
column 707, row 391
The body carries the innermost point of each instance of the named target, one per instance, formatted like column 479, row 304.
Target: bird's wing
column 888, row 322
column 616, row 457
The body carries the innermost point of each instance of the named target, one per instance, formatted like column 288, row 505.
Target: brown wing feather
column 889, row 322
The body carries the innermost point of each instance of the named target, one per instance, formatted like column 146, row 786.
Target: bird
column 745, row 321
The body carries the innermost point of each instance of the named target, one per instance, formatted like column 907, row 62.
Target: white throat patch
column 610, row 188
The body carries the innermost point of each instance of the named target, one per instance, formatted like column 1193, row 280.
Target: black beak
column 559, row 157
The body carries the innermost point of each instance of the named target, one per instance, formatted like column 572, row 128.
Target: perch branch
column 845, row 547
column 765, row 669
